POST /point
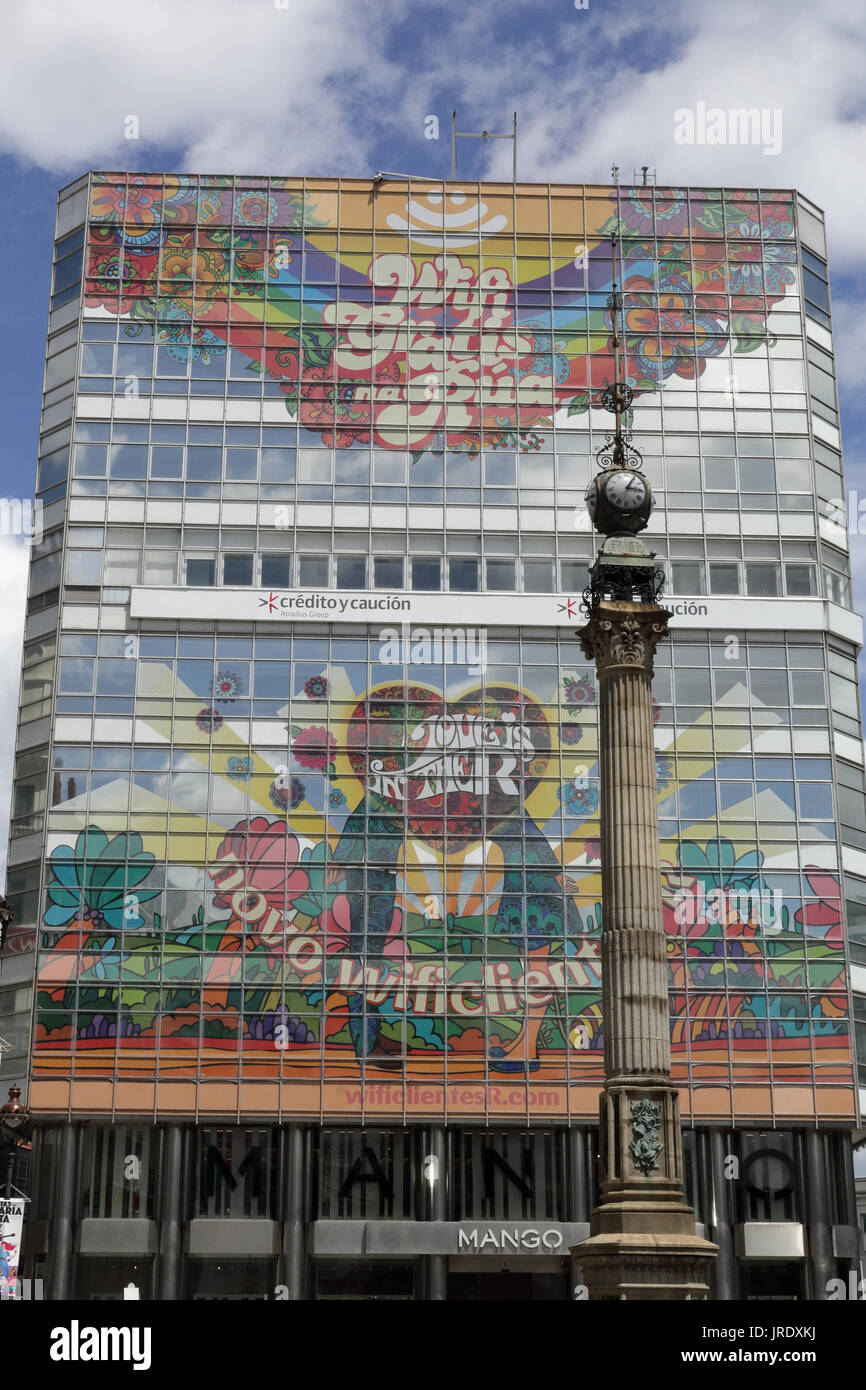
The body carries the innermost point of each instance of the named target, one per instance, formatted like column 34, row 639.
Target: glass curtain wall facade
column 305, row 836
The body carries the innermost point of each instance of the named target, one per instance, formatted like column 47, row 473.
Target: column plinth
column 643, row 1242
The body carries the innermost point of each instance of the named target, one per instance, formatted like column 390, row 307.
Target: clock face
column 625, row 491
column 591, row 497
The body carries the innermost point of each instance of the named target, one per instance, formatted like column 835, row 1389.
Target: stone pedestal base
column 629, row 1266
column 643, row 1242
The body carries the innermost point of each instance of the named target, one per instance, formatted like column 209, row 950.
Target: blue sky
column 345, row 86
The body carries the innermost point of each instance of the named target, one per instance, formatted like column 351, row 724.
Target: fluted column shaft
column 621, row 638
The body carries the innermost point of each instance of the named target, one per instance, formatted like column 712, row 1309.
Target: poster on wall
column 11, row 1226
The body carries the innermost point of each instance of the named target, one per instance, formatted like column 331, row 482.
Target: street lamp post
column 14, row 1125
column 642, row 1240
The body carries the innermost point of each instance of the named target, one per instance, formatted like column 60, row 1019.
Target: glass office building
column 305, row 843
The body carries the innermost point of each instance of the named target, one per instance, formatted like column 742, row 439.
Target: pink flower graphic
column 314, row 748
column 336, row 923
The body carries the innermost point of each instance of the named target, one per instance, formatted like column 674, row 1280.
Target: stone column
column 294, row 1251
column 722, row 1231
column 61, row 1237
column 643, row 1242
column 579, row 1175
column 171, row 1186
column 822, row 1263
column 634, row 979
column 436, row 1266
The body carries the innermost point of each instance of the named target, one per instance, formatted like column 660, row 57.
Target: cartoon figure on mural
column 451, row 777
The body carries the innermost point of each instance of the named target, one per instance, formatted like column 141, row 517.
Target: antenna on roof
column 484, row 135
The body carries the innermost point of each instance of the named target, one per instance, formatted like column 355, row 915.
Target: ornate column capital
column 624, row 635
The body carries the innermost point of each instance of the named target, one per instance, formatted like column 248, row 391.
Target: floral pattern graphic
column 287, row 795
column 210, row 721
column 257, row 877
column 824, row 917
column 239, row 769
column 578, row 691
column 314, row 748
column 570, row 734
column 255, row 209
column 660, row 323
column 349, row 367
column 316, row 688
column 99, row 882
column 580, row 797
column 227, row 686
column 664, row 771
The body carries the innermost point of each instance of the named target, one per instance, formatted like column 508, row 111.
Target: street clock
column 619, row 500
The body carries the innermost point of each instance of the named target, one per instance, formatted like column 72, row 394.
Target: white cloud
column 849, row 335
column 14, row 559
column 234, row 84
column 578, row 117
column 332, row 86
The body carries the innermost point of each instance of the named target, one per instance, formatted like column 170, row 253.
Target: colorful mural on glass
column 428, row 903
column 444, row 335
column 403, row 876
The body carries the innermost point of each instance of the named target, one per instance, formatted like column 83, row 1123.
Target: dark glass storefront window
column 506, row 1287
column 102, row 1279
column 119, row 1164
column 768, row 1185
column 690, row 1171
column 46, row 1142
column 371, row 1280
column 369, row 1174
column 376, row 1175
column 775, row 1281
column 509, row 1174
column 237, row 1173
column 226, row 1279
